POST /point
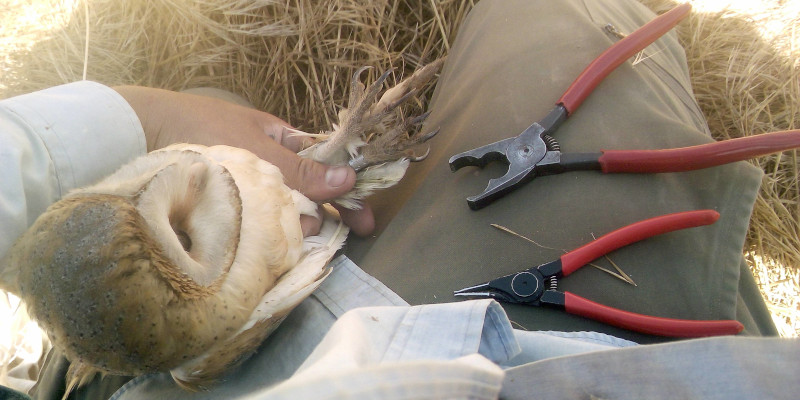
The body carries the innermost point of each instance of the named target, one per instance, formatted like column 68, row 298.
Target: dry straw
column 294, row 59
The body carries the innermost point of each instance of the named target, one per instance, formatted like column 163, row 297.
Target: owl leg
column 371, row 130
column 394, row 144
column 387, row 138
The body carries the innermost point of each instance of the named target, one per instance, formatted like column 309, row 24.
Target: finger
column 361, row 222
column 310, row 225
column 317, row 181
column 294, row 141
column 282, row 133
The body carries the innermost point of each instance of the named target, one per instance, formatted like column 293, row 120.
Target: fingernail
column 336, row 176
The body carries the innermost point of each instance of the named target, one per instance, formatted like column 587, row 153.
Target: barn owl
column 187, row 258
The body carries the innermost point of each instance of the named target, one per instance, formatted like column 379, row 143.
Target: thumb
column 319, row 182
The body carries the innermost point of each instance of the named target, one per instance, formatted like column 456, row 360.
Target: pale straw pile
column 293, row 59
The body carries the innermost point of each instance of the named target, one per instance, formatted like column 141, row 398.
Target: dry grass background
column 294, row 58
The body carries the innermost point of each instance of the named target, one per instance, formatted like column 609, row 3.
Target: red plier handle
column 615, row 55
column 579, row 257
column 697, row 157
column 633, row 233
column 531, row 153
column 578, row 305
column 675, row 160
column 528, row 286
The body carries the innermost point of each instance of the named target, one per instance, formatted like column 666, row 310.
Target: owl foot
column 372, row 135
column 371, row 130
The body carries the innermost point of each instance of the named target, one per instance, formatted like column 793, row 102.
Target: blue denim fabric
column 425, row 348
column 355, row 338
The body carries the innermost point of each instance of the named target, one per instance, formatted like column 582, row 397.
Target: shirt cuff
column 89, row 130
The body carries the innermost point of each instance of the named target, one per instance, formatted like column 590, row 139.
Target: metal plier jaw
column 524, row 287
column 522, row 153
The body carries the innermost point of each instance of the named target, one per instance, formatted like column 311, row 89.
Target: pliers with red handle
column 529, row 286
column 535, row 152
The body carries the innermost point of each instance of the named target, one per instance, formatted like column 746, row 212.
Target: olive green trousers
column 510, row 63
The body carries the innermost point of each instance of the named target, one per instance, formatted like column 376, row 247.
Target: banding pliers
column 535, row 152
column 529, row 286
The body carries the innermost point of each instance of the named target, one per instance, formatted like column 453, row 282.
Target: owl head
column 173, row 263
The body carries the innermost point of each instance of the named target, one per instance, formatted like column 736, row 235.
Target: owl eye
column 179, row 221
column 183, row 238
column 181, row 214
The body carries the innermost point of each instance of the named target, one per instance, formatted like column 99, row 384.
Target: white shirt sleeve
column 56, row 140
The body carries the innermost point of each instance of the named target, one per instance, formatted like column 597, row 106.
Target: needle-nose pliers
column 537, row 286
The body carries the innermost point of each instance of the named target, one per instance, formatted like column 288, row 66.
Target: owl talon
column 429, row 135
column 416, row 158
column 374, row 89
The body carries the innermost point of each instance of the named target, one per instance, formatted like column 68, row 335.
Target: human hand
column 171, row 117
